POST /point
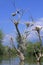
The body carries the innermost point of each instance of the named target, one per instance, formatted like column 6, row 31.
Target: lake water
column 16, row 61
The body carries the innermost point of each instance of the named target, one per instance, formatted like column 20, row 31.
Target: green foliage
column 37, row 44
column 5, row 51
column 1, row 46
column 9, row 51
column 1, row 49
column 1, row 36
column 30, row 48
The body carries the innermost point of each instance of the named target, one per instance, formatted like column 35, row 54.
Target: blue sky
column 7, row 8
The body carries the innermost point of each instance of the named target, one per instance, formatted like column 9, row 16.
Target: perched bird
column 27, row 24
column 17, row 12
column 38, row 28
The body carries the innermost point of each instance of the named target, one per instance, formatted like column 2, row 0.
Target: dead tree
column 38, row 55
column 19, row 48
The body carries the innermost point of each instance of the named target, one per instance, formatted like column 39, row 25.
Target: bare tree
column 39, row 54
column 19, row 48
column 21, row 39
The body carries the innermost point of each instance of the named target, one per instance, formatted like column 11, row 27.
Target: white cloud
column 39, row 21
column 6, row 40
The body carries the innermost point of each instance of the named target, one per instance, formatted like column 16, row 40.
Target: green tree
column 1, row 46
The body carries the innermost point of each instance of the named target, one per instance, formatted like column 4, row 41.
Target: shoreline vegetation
column 7, row 52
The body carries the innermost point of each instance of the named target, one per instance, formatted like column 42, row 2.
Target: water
column 16, row 61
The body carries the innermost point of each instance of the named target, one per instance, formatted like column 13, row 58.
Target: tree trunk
column 39, row 56
column 20, row 54
column 16, row 25
column 38, row 63
column 21, row 63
